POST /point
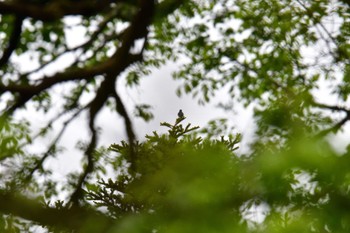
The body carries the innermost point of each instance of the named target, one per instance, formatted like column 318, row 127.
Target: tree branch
column 53, row 145
column 338, row 125
column 89, row 153
column 128, row 126
column 84, row 46
column 331, row 107
column 334, row 128
column 75, row 218
column 116, row 64
column 26, row 92
column 54, row 10
column 122, row 59
column 14, row 40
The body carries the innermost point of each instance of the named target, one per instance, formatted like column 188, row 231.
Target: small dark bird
column 180, row 114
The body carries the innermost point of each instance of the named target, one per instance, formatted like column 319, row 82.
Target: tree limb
column 334, row 128
column 26, row 92
column 89, row 153
column 128, row 126
column 121, row 58
column 331, row 107
column 54, row 10
column 75, row 218
column 52, row 146
column 14, row 40
column 84, row 46
column 338, row 125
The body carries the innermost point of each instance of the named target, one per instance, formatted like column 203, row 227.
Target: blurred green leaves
column 13, row 136
column 143, row 111
column 189, row 185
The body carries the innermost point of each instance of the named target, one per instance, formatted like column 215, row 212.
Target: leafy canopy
column 276, row 56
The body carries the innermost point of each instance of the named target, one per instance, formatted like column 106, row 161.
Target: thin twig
column 322, row 27
column 334, row 128
column 53, row 145
column 102, row 25
column 337, row 126
column 89, row 152
column 128, row 127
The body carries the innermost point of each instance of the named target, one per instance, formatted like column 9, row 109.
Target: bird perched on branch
column 180, row 114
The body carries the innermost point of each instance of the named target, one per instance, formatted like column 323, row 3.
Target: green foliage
column 176, row 175
column 186, row 184
column 13, row 136
column 274, row 55
column 143, row 111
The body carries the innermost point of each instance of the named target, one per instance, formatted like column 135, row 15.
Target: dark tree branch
column 75, row 218
column 107, row 88
column 14, row 40
column 128, row 126
column 334, row 128
column 94, row 107
column 54, row 10
column 117, row 63
column 338, row 125
column 85, row 46
column 137, row 29
column 26, row 92
column 110, row 68
column 331, row 107
column 78, row 192
column 52, row 146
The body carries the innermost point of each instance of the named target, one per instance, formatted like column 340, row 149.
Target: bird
column 180, row 114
